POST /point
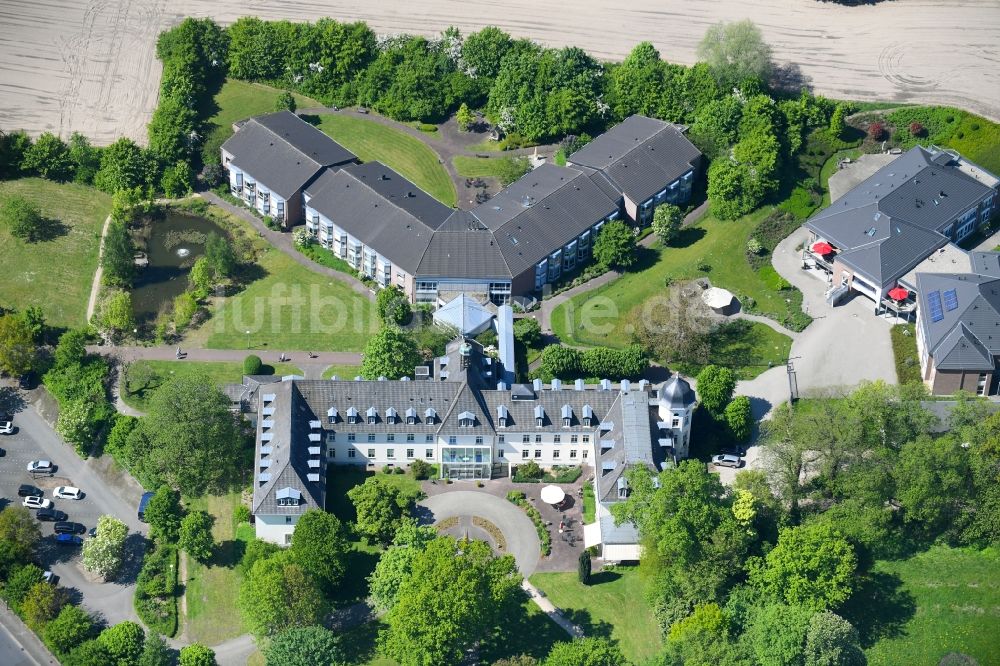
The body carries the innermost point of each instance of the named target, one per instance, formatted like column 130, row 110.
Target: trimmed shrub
column 252, row 365
column 583, row 568
column 420, row 469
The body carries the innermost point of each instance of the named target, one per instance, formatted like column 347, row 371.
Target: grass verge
column 904, row 352
column 611, row 606
column 54, row 275
column 406, row 154
column 342, row 371
column 589, row 504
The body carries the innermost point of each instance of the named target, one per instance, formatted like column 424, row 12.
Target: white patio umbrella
column 552, row 494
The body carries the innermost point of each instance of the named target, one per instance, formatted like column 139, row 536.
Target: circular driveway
column 517, row 528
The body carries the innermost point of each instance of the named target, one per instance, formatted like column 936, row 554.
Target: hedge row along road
column 91, row 66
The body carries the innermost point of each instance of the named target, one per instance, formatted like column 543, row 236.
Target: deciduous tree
column 118, row 257
column 278, row 594
column 586, row 652
column 735, row 51
column 124, row 165
column 483, row 51
column 197, row 654
column 164, row 514
column 123, row 642
column 380, row 507
column 22, row 218
column 715, row 388
column 17, row 345
column 667, row 221
column 560, row 362
column 614, row 246
column 777, row 634
column 103, row 553
column 116, row 317
column 304, row 646
column 320, row 547
column 738, row 418
column 389, row 353
column 396, row 562
column 832, row 641
column 285, row 102
column 49, row 157
column 42, row 604
column 392, row 306
column 196, row 535
column 70, row 628
column 156, row 652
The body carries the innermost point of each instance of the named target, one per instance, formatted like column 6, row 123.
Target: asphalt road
column 34, row 439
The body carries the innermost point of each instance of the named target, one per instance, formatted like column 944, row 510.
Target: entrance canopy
column 466, row 314
column 553, row 494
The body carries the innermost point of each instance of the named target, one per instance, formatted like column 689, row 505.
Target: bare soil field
column 90, row 65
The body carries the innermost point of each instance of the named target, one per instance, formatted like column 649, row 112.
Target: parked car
column 50, row 577
column 6, row 427
column 92, row 532
column 64, row 527
column 28, row 490
column 26, row 381
column 67, row 492
column 52, row 515
column 142, row 505
column 68, row 540
column 37, row 503
column 727, row 460
column 41, row 467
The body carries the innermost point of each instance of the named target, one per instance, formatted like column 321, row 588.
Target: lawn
column 607, row 315
column 406, row 154
column 917, row 610
column 342, row 371
column 218, row 372
column 211, row 591
column 613, row 605
column 289, row 308
column 904, row 351
column 55, row 274
column 589, row 505
column 238, row 100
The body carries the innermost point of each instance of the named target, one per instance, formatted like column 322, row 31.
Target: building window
column 586, row 439
column 675, row 423
column 409, row 454
column 371, row 437
column 429, row 453
column 538, row 439
column 479, row 440
column 525, row 439
column 371, row 453
column 573, row 439
column 538, row 453
column 557, row 439
column 331, row 437
column 390, row 453
column 981, row 385
column 288, row 521
column 502, row 439
column 331, row 453
column 409, row 437
column 429, row 438
column 500, row 453
column 572, row 454
column 452, row 439
column 351, row 437
column 390, row 437
column 351, row 451
column 555, row 454
column 524, row 453
column 585, row 452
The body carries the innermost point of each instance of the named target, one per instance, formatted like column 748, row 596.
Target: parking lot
column 34, row 439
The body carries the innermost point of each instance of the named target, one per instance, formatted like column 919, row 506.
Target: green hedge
column 156, row 589
column 518, row 498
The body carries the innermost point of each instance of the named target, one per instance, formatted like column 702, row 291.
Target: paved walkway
column 283, row 241
column 299, row 359
column 549, row 609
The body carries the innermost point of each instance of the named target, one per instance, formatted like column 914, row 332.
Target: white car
column 67, row 492
column 37, row 503
column 40, row 466
column 727, row 460
column 6, row 427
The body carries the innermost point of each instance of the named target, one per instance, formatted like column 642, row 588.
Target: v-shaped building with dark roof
column 525, row 237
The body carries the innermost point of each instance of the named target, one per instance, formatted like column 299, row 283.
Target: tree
column 177, row 180
column 812, row 565
column 717, row 125
column 583, row 568
column 124, row 165
column 559, row 361
column 103, row 553
column 667, row 220
column 933, row 482
column 23, row 218
column 78, row 423
column 285, row 102
column 116, row 316
column 701, row 638
column 20, row 582
column 464, row 117
column 34, row 322
column 86, row 159
column 201, row 277
column 734, row 189
column 392, row 306
column 124, row 642
column 185, row 307
column 428, row 628
column 197, row 654
column 156, row 652
column 90, row 653
column 49, row 157
column 19, row 534
column 72, row 348
column 380, row 507
column 196, row 535
column 421, row 469
column 777, row 634
column 483, row 51
column 735, row 52
column 396, row 562
column 390, row 353
column 42, row 604
column 715, row 388
column 258, row 549
column 304, row 646
column 164, row 513
column 586, row 652
column 739, row 418
column 832, row 641
column 677, row 328
column 278, row 594
column 193, row 443
column 614, row 246
column 639, row 82
column 17, row 345
column 527, row 331
column 118, row 257
column 876, row 130
column 70, row 628
column 320, row 547
column 252, row 365
column 837, row 121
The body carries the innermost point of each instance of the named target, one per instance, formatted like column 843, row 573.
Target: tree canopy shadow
column 687, row 237
column 47, row 229
column 591, row 627
column 135, row 548
column 604, row 577
column 358, row 644
column 880, row 608
column 522, row 632
column 228, row 553
column 11, row 400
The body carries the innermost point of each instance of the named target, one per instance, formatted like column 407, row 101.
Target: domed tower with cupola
column 675, row 408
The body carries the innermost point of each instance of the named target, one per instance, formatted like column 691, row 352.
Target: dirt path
column 95, row 286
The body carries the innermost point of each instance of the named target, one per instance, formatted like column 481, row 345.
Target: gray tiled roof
column 985, row 263
column 967, row 336
column 283, row 152
column 468, row 254
column 633, row 442
column 399, row 191
column 625, row 534
column 639, row 156
column 908, row 202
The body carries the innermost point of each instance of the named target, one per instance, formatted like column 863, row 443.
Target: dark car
column 51, row 515
column 92, row 532
column 26, row 381
column 68, row 528
column 68, row 540
column 28, row 490
column 142, row 505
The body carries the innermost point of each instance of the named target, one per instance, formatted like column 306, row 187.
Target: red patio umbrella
column 898, row 294
column 822, row 248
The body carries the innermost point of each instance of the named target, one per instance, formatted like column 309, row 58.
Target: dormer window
column 466, row 419
column 539, row 416
column 372, row 414
column 331, row 415
column 288, row 497
column 352, row 416
column 588, row 416
column 430, row 415
column 502, row 416
column 411, row 416
column 622, row 488
column 391, row 416
column 567, row 416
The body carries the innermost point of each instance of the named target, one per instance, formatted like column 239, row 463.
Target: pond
column 171, row 244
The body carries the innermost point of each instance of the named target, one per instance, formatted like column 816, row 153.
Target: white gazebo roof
column 717, row 297
column 464, row 313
